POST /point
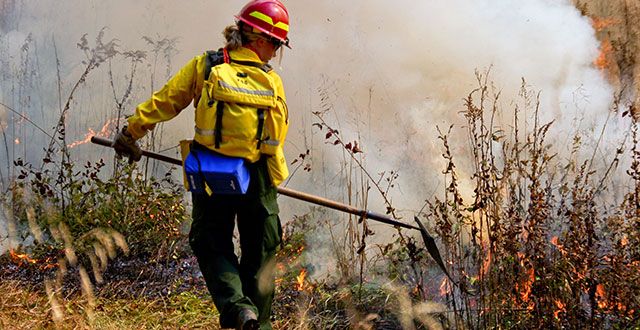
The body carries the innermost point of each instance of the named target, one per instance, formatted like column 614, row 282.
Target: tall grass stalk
column 533, row 247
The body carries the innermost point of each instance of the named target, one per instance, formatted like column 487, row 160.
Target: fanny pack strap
column 194, row 152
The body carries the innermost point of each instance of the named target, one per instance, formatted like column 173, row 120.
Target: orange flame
column 604, row 60
column 21, row 259
column 300, row 280
column 486, row 264
column 104, row 131
column 601, row 295
column 525, row 293
column 561, row 308
column 87, row 138
column 445, row 287
column 600, row 24
column 624, row 241
column 24, row 259
column 606, row 302
column 526, row 287
column 560, row 247
column 297, row 253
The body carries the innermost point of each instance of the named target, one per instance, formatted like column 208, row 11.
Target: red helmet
column 268, row 16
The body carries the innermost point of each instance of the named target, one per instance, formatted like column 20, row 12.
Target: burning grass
column 172, row 295
column 538, row 244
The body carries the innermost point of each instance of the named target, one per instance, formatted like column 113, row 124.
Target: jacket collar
column 245, row 54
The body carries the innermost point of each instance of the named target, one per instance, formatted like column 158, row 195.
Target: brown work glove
column 125, row 145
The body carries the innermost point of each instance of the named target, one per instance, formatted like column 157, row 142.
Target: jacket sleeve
column 167, row 103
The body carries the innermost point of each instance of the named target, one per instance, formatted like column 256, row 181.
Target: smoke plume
column 385, row 74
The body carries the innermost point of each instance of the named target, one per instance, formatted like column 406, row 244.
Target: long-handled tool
column 284, row 191
column 428, row 240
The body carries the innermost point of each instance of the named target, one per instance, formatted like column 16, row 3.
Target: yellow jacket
column 187, row 86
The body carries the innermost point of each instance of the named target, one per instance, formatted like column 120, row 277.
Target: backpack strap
column 260, row 126
column 216, row 57
column 217, row 131
column 213, row 58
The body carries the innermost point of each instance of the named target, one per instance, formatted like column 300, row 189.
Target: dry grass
column 24, row 307
column 540, row 243
column 534, row 247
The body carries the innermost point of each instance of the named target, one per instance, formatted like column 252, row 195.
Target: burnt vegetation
column 540, row 241
column 541, row 245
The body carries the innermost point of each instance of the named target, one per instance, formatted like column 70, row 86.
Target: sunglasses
column 276, row 43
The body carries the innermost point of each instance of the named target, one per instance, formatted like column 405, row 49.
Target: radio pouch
column 209, row 172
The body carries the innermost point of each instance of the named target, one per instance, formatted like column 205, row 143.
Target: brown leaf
column 356, row 149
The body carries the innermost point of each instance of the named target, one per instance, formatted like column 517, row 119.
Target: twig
column 29, row 121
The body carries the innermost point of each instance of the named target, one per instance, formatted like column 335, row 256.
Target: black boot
column 247, row 320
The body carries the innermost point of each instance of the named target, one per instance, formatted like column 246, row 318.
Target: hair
column 234, row 37
column 237, row 35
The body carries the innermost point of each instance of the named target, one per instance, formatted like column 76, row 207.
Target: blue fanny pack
column 210, row 172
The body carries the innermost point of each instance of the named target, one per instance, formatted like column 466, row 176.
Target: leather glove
column 125, row 145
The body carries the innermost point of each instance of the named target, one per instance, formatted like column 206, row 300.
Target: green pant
column 248, row 282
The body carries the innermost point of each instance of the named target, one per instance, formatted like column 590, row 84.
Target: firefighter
column 242, row 288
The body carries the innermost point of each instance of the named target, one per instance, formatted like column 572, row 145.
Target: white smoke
column 396, row 69
column 390, row 71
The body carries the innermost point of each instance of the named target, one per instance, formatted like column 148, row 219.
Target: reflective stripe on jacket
column 187, row 86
